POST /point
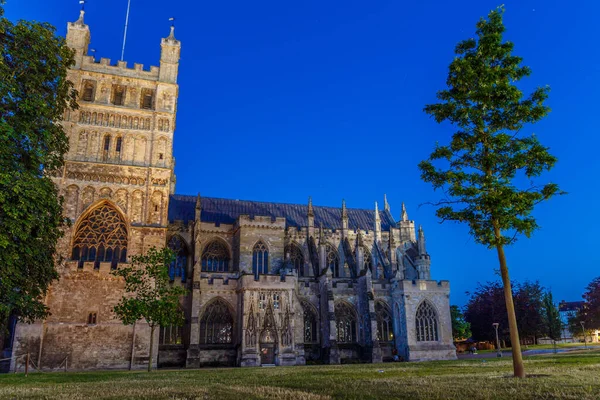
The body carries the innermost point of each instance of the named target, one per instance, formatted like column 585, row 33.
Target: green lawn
column 567, row 376
column 547, row 346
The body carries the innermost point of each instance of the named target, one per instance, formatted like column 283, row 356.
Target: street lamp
column 498, row 352
column 583, row 330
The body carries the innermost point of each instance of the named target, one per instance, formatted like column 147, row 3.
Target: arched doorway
column 268, row 341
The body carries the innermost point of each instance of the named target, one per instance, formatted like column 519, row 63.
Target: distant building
column 568, row 309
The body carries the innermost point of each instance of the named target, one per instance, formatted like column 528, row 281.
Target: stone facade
column 267, row 283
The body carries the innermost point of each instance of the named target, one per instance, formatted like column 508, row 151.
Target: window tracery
column 296, row 258
column 101, row 237
column 385, row 330
column 215, row 257
column 333, row 261
column 426, row 323
column 216, row 324
column 178, row 266
column 171, row 335
column 367, row 260
column 346, row 323
column 260, row 259
column 310, row 323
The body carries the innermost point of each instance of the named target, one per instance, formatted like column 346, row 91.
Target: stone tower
column 116, row 183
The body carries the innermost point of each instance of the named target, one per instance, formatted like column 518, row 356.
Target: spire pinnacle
column 172, row 33
column 311, row 211
column 377, row 217
column 344, row 210
column 321, row 237
column 404, row 216
column 386, row 206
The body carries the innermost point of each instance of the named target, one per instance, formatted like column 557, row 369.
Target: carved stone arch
column 427, row 323
column 72, row 201
column 347, row 322
column 87, row 197
column 297, row 257
column 385, row 321
column 217, row 322
column 260, row 258
column 155, row 214
column 310, row 322
column 105, row 193
column 101, row 234
column 121, row 199
column 216, row 255
column 332, row 260
column 137, row 206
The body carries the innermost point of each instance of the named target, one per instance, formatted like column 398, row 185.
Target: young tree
column 461, row 329
column 552, row 321
column 34, row 94
column 151, row 295
column 529, row 309
column 481, row 171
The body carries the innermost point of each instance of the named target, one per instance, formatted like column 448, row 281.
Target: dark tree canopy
column 34, row 95
column 461, row 329
column 552, row 323
column 589, row 314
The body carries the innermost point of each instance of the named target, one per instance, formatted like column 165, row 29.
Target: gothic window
column 118, row 147
column 171, row 335
column 92, row 318
column 215, row 257
column 118, row 95
column 101, row 237
column 147, row 98
column 106, row 148
column 426, row 323
column 262, row 301
column 310, row 323
column 368, row 262
column 276, row 301
column 333, row 261
column 260, row 259
column 216, row 324
column 88, row 91
column 385, row 330
column 346, row 323
column 296, row 258
column 179, row 265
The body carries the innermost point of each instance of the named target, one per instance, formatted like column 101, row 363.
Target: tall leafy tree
column 485, row 307
column 34, row 94
column 592, row 304
column 150, row 295
column 486, row 169
column 461, row 329
column 552, row 323
column 529, row 306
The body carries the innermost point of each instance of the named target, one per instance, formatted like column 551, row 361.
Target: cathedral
column 267, row 283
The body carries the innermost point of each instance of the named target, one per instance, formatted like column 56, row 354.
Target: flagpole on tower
column 125, row 32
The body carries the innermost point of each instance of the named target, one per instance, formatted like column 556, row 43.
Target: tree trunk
column 519, row 370
column 152, row 328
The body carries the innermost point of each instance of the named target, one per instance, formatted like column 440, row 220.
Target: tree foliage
column 592, row 304
column 552, row 321
column 486, row 172
column 34, row 95
column 486, row 306
column 150, row 296
column 461, row 329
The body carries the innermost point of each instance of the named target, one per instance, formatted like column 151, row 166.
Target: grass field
column 567, row 376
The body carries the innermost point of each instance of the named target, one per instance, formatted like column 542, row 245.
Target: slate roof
column 226, row 211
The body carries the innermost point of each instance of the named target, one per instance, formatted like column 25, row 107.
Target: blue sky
column 280, row 100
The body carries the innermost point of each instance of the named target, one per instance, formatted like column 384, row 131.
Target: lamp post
column 583, row 330
column 498, row 352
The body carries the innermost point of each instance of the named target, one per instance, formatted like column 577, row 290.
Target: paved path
column 508, row 353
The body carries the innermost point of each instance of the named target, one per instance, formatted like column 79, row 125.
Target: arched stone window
column 101, row 237
column 385, row 326
column 171, row 335
column 178, row 267
column 260, row 259
column 346, row 323
column 106, row 148
column 88, row 91
column 368, row 261
column 216, row 324
column 310, row 323
column 296, row 258
column 215, row 257
column 332, row 260
column 426, row 323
